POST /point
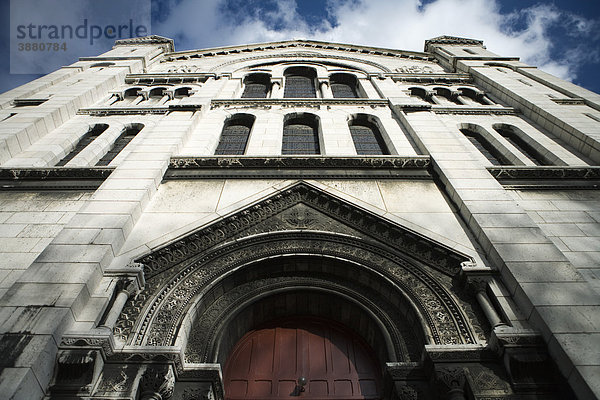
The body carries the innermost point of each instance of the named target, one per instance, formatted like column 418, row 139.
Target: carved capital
column 127, row 285
column 451, row 377
column 157, row 383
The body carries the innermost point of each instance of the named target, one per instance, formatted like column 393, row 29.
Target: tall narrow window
column 525, row 148
column 367, row 137
column 88, row 138
column 485, row 147
column 344, row 85
column 301, row 135
column 300, row 83
column 122, row 141
column 256, row 86
column 234, row 137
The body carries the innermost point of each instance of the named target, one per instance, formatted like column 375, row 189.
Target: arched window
column 300, row 134
column 182, row 92
column 485, row 147
column 366, row 136
column 131, row 94
column 122, row 141
column 446, row 95
column 256, row 86
column 300, row 83
column 509, row 133
column 88, row 138
column 235, row 135
column 473, row 95
column 156, row 93
column 344, row 86
column 421, row 94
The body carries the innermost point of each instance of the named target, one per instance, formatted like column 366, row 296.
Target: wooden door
column 267, row 363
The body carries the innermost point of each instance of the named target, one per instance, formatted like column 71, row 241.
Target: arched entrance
column 270, row 362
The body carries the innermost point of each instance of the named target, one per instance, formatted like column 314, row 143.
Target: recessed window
column 122, row 141
column 256, row 86
column 182, row 92
column 28, row 102
column 301, row 135
column 508, row 132
column 88, row 138
column 344, row 85
column 366, row 137
column 485, row 147
column 234, row 136
column 300, row 83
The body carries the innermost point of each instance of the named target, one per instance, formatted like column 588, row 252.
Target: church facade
column 299, row 219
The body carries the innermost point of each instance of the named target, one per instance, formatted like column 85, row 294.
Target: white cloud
column 400, row 24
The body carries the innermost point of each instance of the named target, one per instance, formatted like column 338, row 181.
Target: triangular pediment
column 295, row 45
column 303, row 207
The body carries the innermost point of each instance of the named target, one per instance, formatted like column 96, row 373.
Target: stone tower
column 299, row 219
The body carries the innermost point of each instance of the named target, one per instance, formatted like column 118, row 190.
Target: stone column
column 125, row 288
column 479, row 286
column 157, row 383
column 326, row 92
column 276, row 90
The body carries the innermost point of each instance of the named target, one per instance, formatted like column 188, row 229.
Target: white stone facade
column 69, row 234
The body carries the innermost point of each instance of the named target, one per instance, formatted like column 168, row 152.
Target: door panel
column 267, row 362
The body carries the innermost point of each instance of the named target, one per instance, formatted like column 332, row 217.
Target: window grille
column 367, row 139
column 485, row 148
column 88, row 138
column 300, row 83
column 300, row 136
column 122, row 141
column 234, row 137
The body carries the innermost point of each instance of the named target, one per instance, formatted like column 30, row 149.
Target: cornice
column 299, row 167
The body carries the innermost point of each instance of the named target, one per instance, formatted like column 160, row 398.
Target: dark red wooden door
column 267, row 363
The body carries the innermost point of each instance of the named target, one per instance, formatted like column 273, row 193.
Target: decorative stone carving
column 415, row 69
column 157, row 382
column 169, row 304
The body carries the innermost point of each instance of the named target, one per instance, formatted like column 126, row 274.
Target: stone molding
column 57, row 178
column 459, row 109
column 104, row 111
column 161, row 78
column 547, row 177
column 453, row 40
column 570, row 102
column 289, row 102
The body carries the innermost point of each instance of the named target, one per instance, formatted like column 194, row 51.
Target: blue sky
column 561, row 37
